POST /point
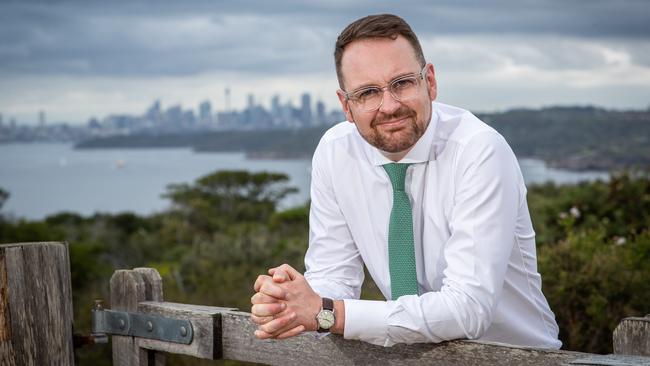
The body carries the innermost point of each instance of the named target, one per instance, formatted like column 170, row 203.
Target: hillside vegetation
column 224, row 229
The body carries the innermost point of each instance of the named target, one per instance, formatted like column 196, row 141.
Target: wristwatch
column 325, row 317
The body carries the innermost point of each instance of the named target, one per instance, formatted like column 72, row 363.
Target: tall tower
column 41, row 118
column 227, row 93
column 250, row 104
column 205, row 112
column 305, row 110
column 275, row 106
column 320, row 112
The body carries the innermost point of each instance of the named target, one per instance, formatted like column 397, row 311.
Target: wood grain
column 129, row 288
column 632, row 337
column 36, row 304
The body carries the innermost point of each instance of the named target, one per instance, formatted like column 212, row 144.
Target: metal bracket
column 113, row 322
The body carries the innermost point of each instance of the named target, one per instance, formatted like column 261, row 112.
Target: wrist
column 313, row 325
column 339, row 313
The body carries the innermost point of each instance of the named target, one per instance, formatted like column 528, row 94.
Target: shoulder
column 336, row 139
column 462, row 132
column 341, row 130
column 471, row 142
column 462, row 127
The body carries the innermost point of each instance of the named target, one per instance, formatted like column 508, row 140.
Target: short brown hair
column 375, row 26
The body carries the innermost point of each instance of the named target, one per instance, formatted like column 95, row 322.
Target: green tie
column 401, row 255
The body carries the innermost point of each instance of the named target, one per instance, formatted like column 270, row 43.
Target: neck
column 397, row 156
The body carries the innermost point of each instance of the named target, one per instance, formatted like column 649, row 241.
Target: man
column 427, row 196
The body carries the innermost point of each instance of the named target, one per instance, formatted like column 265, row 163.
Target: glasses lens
column 404, row 89
column 368, row 99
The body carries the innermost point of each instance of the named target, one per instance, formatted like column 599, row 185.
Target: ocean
column 47, row 178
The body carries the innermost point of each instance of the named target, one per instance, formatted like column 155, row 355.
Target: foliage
column 594, row 246
column 224, row 229
column 4, row 195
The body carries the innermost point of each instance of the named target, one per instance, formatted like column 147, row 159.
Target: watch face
column 325, row 319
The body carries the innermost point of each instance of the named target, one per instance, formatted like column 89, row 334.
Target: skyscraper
column 153, row 113
column 320, row 112
column 205, row 112
column 251, row 101
column 275, row 106
column 305, row 110
column 41, row 118
column 227, row 95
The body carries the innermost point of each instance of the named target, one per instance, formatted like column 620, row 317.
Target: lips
column 394, row 123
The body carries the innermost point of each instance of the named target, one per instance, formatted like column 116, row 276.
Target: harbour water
column 44, row 179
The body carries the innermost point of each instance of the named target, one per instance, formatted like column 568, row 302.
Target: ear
column 432, row 86
column 345, row 105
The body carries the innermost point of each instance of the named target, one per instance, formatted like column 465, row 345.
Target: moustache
column 402, row 112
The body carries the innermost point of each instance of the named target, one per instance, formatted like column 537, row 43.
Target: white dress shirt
column 474, row 240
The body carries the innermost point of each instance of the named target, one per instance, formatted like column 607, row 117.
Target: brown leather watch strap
column 328, row 304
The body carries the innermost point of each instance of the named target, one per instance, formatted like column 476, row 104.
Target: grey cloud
column 138, row 38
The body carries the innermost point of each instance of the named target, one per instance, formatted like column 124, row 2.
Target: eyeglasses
column 402, row 89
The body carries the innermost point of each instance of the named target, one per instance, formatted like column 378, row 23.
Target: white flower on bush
column 575, row 212
column 619, row 240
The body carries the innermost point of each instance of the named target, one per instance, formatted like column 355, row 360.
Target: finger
column 268, row 309
column 260, row 334
column 293, row 274
column 282, row 273
column 278, row 323
column 260, row 281
column 279, row 275
column 262, row 298
column 292, row 332
column 259, row 320
column 271, row 289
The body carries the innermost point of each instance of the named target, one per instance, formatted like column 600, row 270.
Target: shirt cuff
column 367, row 321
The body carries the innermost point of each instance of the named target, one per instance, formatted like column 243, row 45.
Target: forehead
column 376, row 61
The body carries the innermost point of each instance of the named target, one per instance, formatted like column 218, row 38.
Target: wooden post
column 128, row 288
column 632, row 337
column 35, row 304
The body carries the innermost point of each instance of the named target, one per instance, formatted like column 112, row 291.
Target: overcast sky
column 82, row 59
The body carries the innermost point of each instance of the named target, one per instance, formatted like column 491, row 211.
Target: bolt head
column 183, row 331
column 149, row 326
column 99, row 304
column 122, row 324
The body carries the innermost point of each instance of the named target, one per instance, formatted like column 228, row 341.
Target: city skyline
column 213, row 106
column 76, row 60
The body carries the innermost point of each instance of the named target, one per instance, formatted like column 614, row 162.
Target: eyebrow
column 370, row 85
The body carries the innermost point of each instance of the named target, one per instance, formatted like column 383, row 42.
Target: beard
column 397, row 139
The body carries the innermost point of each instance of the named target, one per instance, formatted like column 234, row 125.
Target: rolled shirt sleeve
column 334, row 267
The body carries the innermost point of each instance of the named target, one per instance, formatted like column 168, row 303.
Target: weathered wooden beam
column 206, row 324
column 35, row 304
column 632, row 337
column 314, row 349
column 238, row 343
column 228, row 334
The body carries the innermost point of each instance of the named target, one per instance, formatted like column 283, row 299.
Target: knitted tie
column 401, row 254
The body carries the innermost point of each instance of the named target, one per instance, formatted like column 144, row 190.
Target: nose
column 388, row 103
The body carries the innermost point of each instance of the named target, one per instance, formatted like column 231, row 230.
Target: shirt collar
column 423, row 150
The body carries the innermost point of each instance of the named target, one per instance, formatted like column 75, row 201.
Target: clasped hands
column 284, row 305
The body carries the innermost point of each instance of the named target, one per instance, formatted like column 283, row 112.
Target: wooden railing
column 36, row 323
